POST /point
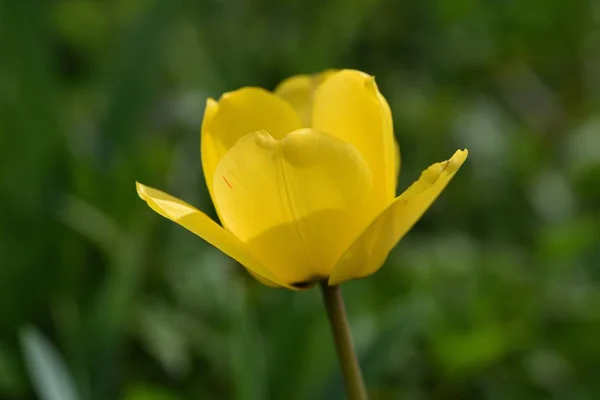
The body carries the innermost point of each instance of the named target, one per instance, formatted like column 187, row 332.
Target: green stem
column 336, row 311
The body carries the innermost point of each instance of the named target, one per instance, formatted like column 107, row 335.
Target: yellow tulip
column 304, row 179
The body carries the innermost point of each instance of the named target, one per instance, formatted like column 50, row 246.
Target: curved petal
column 370, row 250
column 299, row 91
column 236, row 114
column 349, row 106
column 210, row 149
column 200, row 224
column 297, row 203
column 397, row 161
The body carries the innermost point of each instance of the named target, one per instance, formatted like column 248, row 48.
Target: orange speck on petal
column 227, row 182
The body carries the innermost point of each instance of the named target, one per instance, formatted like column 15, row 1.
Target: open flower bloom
column 304, row 180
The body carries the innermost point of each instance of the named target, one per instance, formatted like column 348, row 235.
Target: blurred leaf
column 247, row 351
column 30, row 158
column 149, row 392
column 162, row 330
column 90, row 222
column 472, row 350
column 566, row 240
column 111, row 312
column 135, row 73
column 49, row 374
column 82, row 22
column 12, row 379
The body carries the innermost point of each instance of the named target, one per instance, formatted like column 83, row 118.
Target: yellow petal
column 349, row 106
column 397, row 161
column 200, row 224
column 210, row 149
column 368, row 253
column 236, row 114
column 297, row 203
column 299, row 90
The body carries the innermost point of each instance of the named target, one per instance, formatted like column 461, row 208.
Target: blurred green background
column 495, row 294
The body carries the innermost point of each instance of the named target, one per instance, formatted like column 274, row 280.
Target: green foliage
column 48, row 372
column 493, row 295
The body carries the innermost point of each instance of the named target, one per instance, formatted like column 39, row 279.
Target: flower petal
column 397, row 162
column 349, row 106
column 200, row 224
column 368, row 253
column 299, row 91
column 236, row 114
column 297, row 203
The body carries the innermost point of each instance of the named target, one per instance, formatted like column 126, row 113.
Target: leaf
column 149, row 392
column 247, row 350
column 49, row 375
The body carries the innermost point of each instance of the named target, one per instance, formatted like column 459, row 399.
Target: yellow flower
column 304, row 180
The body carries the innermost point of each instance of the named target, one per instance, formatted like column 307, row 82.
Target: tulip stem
column 336, row 311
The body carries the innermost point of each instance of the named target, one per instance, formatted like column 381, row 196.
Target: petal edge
column 202, row 225
column 237, row 114
column 349, row 106
column 366, row 255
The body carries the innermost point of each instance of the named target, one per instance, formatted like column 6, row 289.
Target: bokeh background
column 495, row 294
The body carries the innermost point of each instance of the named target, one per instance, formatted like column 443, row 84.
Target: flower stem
column 336, row 311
